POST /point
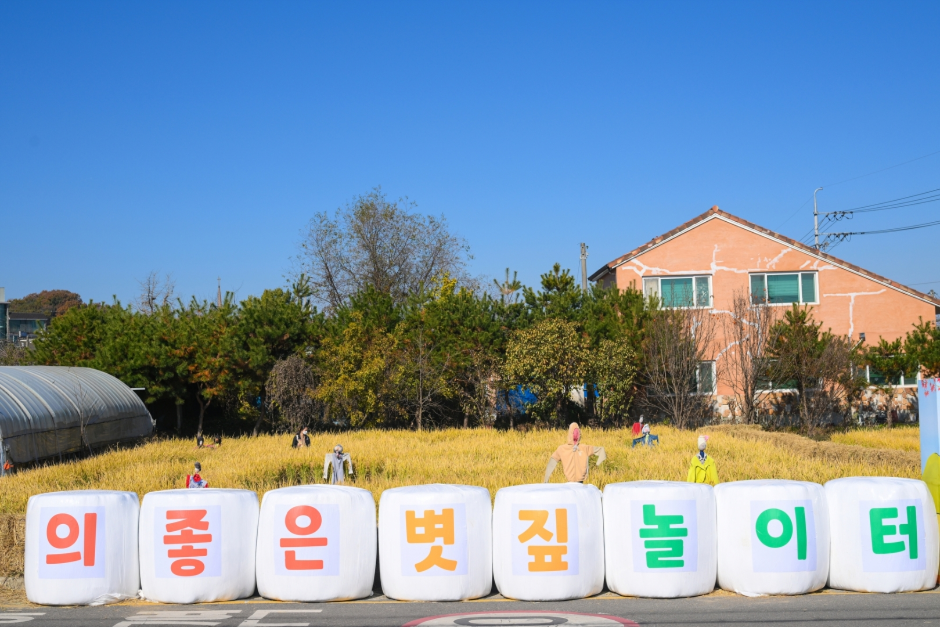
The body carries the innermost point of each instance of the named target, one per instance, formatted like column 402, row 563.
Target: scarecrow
column 574, row 457
column 702, row 468
column 194, row 480
column 335, row 461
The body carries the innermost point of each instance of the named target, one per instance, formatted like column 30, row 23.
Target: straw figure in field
column 574, row 457
column 702, row 468
column 336, row 461
column 646, row 439
column 195, row 480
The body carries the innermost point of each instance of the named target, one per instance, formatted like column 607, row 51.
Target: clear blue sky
column 198, row 138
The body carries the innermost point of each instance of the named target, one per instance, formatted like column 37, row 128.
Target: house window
column 686, row 291
column 767, row 383
column 784, row 288
column 877, row 378
column 705, row 377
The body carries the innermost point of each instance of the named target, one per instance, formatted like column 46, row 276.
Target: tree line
column 382, row 326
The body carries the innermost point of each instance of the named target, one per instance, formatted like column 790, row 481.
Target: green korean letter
column 879, row 530
column 763, row 534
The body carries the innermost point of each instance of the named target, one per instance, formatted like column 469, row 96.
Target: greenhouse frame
column 48, row 412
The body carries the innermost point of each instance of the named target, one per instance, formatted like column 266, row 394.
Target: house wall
column 849, row 303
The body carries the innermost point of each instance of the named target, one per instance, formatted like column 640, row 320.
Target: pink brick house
column 705, row 261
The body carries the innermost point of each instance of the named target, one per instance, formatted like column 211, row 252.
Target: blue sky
column 199, row 138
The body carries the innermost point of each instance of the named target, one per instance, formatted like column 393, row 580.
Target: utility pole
column 218, row 294
column 584, row 256
column 816, row 220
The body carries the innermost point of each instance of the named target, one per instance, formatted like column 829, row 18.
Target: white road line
column 255, row 619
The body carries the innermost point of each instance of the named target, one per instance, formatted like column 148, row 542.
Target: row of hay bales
column 540, row 542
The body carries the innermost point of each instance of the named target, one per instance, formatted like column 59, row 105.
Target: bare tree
column 679, row 378
column 87, row 407
column 744, row 365
column 478, row 388
column 427, row 371
column 290, row 386
column 377, row 243
column 13, row 355
column 155, row 293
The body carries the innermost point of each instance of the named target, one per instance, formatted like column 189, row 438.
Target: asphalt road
column 828, row 608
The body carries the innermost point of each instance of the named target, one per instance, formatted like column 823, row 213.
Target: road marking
column 18, row 617
column 532, row 618
column 255, row 619
column 209, row 618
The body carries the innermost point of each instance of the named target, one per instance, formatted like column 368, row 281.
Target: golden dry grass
column 900, row 438
column 493, row 459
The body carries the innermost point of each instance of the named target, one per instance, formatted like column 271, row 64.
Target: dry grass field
column 901, row 438
column 493, row 459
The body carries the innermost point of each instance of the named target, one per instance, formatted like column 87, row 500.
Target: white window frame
column 799, row 283
column 659, row 278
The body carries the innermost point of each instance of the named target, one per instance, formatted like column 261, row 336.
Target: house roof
column 717, row 214
column 28, row 316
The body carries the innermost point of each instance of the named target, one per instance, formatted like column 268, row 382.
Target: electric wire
column 894, row 230
column 905, row 201
column 855, row 178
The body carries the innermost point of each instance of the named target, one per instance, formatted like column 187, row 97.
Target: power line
column 894, row 230
column 831, row 217
column 831, row 240
column 855, row 178
column 890, row 167
column 897, row 203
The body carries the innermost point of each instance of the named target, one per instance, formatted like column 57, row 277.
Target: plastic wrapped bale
column 435, row 543
column 548, row 541
column 198, row 545
column 773, row 537
column 885, row 535
column 660, row 538
column 81, row 547
column 316, row 543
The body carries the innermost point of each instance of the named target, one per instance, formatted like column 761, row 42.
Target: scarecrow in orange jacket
column 574, row 457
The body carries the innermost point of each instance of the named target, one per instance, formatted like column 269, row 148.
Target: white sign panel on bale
column 886, row 537
column 198, row 545
column 928, row 410
column 773, row 537
column 435, row 543
column 81, row 547
column 316, row 543
column 548, row 542
column 660, row 538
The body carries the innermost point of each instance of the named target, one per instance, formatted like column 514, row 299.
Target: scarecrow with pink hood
column 574, row 457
